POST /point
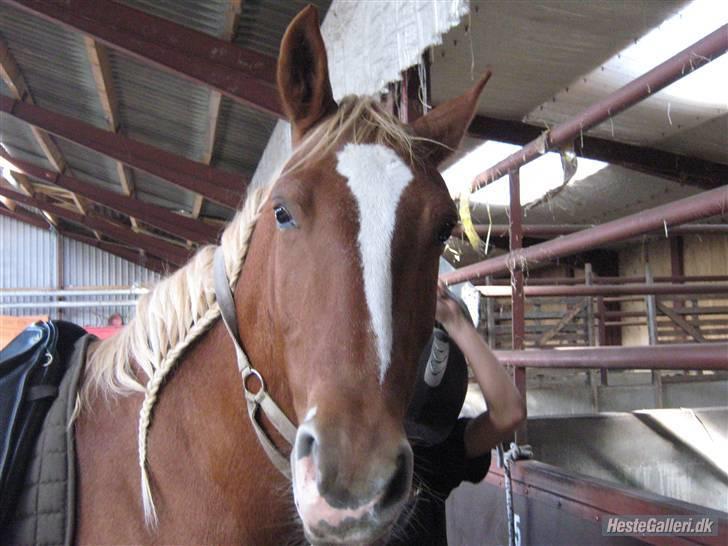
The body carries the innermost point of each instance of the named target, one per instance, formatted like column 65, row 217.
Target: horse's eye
column 444, row 234
column 283, row 217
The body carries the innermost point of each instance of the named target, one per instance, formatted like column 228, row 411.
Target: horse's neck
column 205, row 463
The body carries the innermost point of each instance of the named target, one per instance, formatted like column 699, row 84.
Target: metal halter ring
column 250, row 395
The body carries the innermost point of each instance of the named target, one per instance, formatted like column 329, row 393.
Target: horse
column 332, row 271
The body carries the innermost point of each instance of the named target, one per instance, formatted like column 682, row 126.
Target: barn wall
column 703, row 255
column 84, row 265
column 369, row 44
column 28, row 259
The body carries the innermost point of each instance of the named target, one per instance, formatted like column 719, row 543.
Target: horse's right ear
column 445, row 126
column 303, row 73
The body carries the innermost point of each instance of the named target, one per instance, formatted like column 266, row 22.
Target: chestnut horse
column 333, row 272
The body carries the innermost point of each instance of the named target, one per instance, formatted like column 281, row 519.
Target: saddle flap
column 17, row 362
column 31, row 368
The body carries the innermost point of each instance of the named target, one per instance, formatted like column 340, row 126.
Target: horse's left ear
column 447, row 123
column 303, row 73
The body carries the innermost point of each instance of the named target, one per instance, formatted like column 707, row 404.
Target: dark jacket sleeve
column 444, row 466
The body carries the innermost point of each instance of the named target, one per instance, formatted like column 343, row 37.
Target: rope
column 236, row 240
column 515, row 453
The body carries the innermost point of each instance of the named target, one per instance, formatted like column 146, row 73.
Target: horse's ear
column 303, row 73
column 446, row 124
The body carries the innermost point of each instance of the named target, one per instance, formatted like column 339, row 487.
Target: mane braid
column 183, row 306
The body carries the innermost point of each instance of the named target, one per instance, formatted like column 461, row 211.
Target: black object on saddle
column 31, row 368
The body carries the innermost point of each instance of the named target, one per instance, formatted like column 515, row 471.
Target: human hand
column 447, row 312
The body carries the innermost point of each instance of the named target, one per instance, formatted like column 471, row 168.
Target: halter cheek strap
column 259, row 399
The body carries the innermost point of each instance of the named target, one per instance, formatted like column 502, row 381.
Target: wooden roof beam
column 98, row 57
column 239, row 73
column 25, row 187
column 232, row 15
column 26, row 217
column 151, row 214
column 151, row 245
column 219, row 186
column 700, row 173
column 13, row 77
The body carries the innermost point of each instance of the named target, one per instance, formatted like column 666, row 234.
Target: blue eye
column 283, row 217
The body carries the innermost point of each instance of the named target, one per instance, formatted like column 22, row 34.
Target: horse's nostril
column 401, row 480
column 305, row 442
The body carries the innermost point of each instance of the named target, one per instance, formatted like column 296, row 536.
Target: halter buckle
column 250, row 395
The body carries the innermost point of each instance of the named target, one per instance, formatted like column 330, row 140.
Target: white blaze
column 377, row 177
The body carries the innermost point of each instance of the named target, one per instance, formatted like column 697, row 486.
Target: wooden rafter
column 26, row 188
column 151, row 214
column 151, row 245
column 232, row 15
column 25, row 216
column 240, row 73
column 98, row 57
column 701, row 173
column 220, row 186
column 15, row 81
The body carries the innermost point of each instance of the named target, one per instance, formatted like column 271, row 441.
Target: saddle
column 31, row 369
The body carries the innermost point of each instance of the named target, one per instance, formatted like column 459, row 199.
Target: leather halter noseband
column 259, row 399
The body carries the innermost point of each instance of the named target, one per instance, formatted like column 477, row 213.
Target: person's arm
column 506, row 409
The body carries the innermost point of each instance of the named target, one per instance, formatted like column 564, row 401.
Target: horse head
column 344, row 261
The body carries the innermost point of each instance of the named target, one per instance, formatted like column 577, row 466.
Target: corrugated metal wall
column 28, row 259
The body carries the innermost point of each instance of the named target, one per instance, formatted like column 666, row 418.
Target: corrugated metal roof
column 203, row 15
column 687, row 105
column 90, row 166
column 20, row 142
column 213, row 210
column 536, row 49
column 242, row 135
column 55, row 65
column 160, row 192
column 263, row 22
column 554, row 59
column 160, row 108
column 534, row 52
column 154, row 106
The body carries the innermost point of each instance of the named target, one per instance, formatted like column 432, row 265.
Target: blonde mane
column 182, row 307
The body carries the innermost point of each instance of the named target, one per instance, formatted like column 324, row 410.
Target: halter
column 255, row 400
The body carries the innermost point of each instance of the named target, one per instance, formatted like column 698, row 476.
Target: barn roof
column 161, row 138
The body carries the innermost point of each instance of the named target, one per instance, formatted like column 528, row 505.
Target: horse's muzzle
column 341, row 502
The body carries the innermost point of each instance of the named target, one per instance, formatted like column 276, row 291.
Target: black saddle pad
column 31, row 368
